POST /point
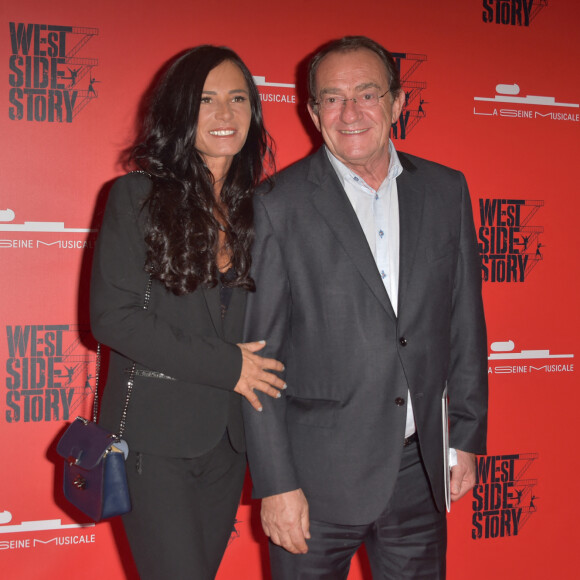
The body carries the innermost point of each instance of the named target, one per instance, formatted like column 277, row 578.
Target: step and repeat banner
column 491, row 88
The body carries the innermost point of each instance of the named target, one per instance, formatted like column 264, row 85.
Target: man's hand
column 285, row 520
column 462, row 475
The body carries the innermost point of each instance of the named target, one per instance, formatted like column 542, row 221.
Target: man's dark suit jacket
column 338, row 431
column 180, row 336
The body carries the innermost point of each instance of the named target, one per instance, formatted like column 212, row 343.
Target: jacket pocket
column 312, row 412
column 440, row 251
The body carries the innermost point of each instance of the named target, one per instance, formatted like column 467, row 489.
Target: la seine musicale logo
column 505, row 360
column 68, row 534
column 274, row 92
column 511, row 12
column 50, row 79
column 509, row 103
column 509, row 239
column 30, row 235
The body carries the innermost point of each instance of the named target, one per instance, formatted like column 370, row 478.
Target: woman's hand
column 257, row 374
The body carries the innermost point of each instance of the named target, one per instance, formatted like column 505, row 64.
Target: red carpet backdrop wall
column 492, row 89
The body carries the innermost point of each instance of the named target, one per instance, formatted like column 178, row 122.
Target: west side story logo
column 507, row 103
column 49, row 80
column 414, row 108
column 48, row 372
column 509, row 241
column 504, row 495
column 512, row 12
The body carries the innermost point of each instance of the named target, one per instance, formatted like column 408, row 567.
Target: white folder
column 446, row 468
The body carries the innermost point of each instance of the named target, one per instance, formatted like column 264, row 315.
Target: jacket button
column 399, row 401
column 403, row 341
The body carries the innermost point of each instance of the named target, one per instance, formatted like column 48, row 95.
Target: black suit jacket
column 180, row 336
column 321, row 304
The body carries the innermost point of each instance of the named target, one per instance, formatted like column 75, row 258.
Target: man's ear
column 314, row 115
column 397, row 106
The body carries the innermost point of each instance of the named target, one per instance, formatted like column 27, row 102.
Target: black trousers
column 407, row 541
column 183, row 511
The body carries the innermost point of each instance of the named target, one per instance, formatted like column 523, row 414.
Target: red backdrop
column 492, row 90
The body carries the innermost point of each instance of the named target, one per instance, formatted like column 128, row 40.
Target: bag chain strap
column 130, row 381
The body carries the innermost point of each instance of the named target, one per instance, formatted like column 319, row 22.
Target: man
column 369, row 291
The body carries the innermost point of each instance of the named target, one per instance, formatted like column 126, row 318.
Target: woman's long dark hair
column 182, row 236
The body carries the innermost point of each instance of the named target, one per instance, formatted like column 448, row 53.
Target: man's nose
column 350, row 110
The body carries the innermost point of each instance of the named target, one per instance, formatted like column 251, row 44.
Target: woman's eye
column 239, row 99
column 206, row 100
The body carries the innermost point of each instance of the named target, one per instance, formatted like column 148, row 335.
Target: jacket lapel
column 411, row 198
column 336, row 210
column 234, row 320
column 212, row 299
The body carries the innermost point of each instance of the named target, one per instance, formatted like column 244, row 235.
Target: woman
column 184, row 221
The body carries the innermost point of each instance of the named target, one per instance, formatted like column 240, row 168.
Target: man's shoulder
column 297, row 179
column 425, row 167
column 316, row 159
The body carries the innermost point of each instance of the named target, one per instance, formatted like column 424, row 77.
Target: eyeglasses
column 367, row 100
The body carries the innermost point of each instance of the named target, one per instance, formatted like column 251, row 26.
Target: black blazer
column 338, row 431
column 181, row 337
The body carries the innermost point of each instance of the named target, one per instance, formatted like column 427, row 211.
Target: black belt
column 410, row 439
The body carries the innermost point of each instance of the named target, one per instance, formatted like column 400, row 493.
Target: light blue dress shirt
column 378, row 214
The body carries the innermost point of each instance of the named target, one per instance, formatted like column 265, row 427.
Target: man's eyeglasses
column 366, row 100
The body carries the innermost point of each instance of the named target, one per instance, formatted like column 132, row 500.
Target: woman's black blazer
column 185, row 413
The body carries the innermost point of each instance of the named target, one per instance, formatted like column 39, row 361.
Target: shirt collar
column 346, row 175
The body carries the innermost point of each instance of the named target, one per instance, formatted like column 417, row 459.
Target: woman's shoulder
column 131, row 189
column 133, row 182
